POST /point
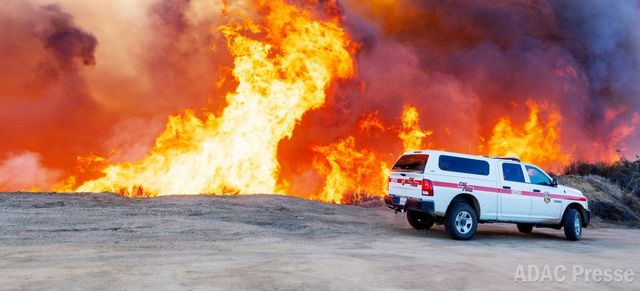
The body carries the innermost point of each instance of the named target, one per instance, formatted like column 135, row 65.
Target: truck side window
column 536, row 176
column 463, row 165
column 512, row 172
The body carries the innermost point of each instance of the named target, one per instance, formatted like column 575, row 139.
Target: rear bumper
column 411, row 204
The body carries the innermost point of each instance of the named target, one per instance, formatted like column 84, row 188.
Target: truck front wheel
column 461, row 221
column 572, row 224
column 419, row 220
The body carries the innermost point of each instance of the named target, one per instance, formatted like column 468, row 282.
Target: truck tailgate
column 408, row 184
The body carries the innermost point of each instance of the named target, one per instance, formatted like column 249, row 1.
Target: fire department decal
column 465, row 187
column 547, row 197
column 411, row 182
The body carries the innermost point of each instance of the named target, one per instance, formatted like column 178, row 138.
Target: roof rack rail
column 515, row 159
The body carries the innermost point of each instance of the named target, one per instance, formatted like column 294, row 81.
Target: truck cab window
column 536, row 176
column 512, row 172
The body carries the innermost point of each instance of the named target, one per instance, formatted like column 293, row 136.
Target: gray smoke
column 470, row 62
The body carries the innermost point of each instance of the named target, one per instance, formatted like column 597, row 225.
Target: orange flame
column 350, row 171
column 371, row 121
column 280, row 76
column 411, row 135
column 535, row 142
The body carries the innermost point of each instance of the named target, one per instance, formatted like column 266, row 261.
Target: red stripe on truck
column 463, row 185
column 445, row 184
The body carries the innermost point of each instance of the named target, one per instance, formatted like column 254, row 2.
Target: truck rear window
column 411, row 163
column 464, row 165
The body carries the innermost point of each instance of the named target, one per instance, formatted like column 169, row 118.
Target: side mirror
column 554, row 182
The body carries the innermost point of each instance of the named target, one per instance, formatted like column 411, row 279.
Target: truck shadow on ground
column 492, row 233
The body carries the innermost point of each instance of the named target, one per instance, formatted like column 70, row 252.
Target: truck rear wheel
column 419, row 220
column 461, row 221
column 525, row 228
column 572, row 224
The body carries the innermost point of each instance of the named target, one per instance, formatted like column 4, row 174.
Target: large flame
column 282, row 67
column 535, row 142
column 276, row 120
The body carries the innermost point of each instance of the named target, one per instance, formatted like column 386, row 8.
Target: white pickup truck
column 460, row 191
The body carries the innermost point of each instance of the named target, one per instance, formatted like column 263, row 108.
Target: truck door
column 543, row 205
column 514, row 203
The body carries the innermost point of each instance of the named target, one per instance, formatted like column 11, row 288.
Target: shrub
column 624, row 173
column 611, row 212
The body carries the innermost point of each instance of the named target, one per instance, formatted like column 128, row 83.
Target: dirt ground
column 100, row 241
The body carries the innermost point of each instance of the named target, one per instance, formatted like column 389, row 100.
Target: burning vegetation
column 308, row 98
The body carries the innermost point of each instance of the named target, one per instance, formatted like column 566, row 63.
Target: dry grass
column 623, row 173
column 607, row 201
column 362, row 199
column 136, row 191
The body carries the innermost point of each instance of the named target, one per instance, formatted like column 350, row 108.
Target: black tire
column 419, row 220
column 572, row 224
column 461, row 221
column 525, row 228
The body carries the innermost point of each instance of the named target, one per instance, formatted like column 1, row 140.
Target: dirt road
column 101, row 241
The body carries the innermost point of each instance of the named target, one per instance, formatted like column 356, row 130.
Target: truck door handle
column 536, row 190
column 403, row 175
column 506, row 187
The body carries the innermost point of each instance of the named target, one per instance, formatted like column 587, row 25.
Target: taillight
column 427, row 188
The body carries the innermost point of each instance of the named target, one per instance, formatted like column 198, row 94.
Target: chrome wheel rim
column 464, row 222
column 577, row 225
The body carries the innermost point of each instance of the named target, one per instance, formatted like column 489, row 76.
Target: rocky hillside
column 609, row 203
